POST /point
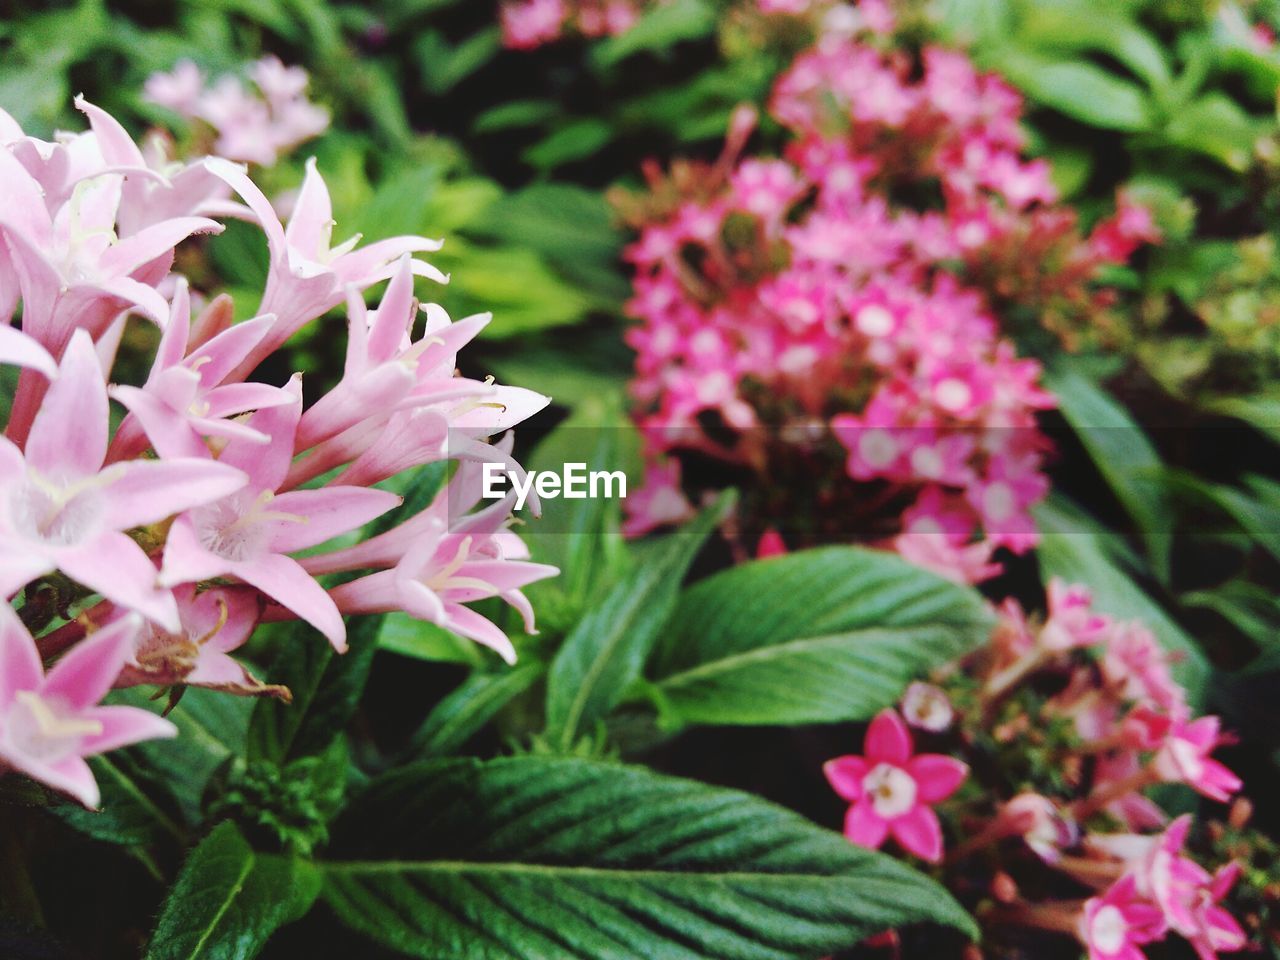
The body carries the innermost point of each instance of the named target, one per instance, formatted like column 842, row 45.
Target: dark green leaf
column 1080, row 90
column 1121, row 452
column 662, row 27
column 462, row 713
column 813, row 637
column 228, row 900
column 608, row 648
column 534, row 858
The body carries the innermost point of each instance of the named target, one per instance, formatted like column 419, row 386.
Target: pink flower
column 50, row 722
column 1040, row 824
column 1135, row 663
column 1183, row 757
column 214, row 623
column 184, row 399
column 1216, row 930
column 1115, row 925
column 927, row 707
column 893, row 792
column 447, row 557
column 1071, row 622
column 66, row 511
column 308, row 276
column 250, row 534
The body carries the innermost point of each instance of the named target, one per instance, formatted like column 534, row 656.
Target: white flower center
column 45, row 730
column 892, row 790
column 56, row 514
column 1109, row 931
column 878, row 448
column 238, row 527
column 952, row 395
column 874, row 321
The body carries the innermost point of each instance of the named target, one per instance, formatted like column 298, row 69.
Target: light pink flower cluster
column 853, row 292
column 252, row 126
column 206, row 509
column 1095, row 701
column 527, row 24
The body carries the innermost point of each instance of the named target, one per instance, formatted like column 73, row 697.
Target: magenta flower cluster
column 1128, row 729
column 168, row 538
column 854, row 290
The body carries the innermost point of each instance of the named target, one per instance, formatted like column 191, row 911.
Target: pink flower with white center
column 184, row 399
column 50, row 722
column 179, row 90
column 61, row 509
column 927, row 707
column 1115, row 925
column 1183, row 757
column 250, row 534
column 1071, row 622
column 441, row 563
column 893, row 792
column 307, row 276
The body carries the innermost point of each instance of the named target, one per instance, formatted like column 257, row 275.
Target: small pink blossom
column 893, row 792
column 1071, row 622
column 50, row 722
column 1117, row 924
column 927, row 707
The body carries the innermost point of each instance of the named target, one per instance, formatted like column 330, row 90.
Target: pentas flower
column 1071, row 622
column 449, row 557
column 782, row 295
column 66, row 511
column 1117, row 924
column 527, row 24
column 193, row 514
column 50, row 722
column 250, row 534
column 185, row 402
column 1184, row 757
column 308, row 276
column 893, row 792
column 252, row 127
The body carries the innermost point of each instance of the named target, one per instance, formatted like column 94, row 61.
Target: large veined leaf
column 606, row 652
column 228, row 900
column 537, row 858
column 813, row 637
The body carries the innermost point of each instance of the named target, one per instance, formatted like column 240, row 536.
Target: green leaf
column 444, row 66
column 536, row 858
column 661, row 28
column 137, row 808
column 228, row 900
column 608, row 648
column 1082, row 26
column 402, row 634
column 1078, row 549
column 1260, row 410
column 1122, row 453
column 461, row 714
column 1078, row 89
column 817, row 636
column 577, row 140
column 515, row 115
column 1216, row 126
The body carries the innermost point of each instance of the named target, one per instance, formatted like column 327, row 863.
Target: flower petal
column 285, row 582
column 152, row 490
column 85, row 674
column 326, row 513
column 937, row 777
column 122, row 726
column 863, row 826
column 888, row 740
column 919, row 833
column 845, row 774
column 68, row 438
column 20, row 667
column 115, row 566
